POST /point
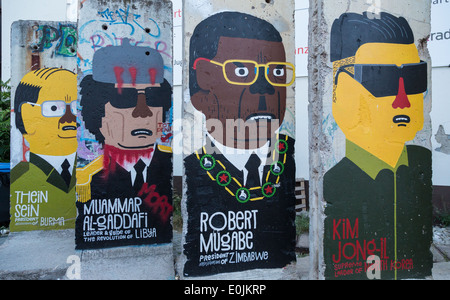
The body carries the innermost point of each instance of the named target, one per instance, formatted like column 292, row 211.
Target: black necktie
column 139, row 181
column 252, row 167
column 65, row 174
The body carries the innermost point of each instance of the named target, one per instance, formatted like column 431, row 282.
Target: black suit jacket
column 156, row 196
column 267, row 224
column 54, row 178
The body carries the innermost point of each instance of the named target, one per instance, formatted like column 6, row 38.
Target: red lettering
column 339, row 258
column 359, row 250
column 158, row 204
column 302, row 50
column 353, row 246
column 347, row 231
column 177, row 12
column 353, row 232
column 335, row 229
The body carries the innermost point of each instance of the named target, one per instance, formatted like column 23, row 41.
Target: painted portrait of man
column 238, row 78
column 43, row 188
column 125, row 105
column 379, row 195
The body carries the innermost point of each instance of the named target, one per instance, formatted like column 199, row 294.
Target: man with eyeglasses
column 125, row 104
column 238, row 78
column 379, row 196
column 45, row 107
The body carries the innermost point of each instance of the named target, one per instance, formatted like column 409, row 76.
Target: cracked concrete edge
column 324, row 148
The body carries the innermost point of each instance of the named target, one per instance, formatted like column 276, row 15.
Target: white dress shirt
column 239, row 157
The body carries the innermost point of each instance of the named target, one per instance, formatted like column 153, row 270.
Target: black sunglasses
column 154, row 96
column 383, row 80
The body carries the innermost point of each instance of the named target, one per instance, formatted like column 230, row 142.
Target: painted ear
column 201, row 101
column 29, row 125
column 204, row 77
column 348, row 103
column 204, row 72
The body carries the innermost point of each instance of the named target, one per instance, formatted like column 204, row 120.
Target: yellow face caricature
column 50, row 123
column 380, row 125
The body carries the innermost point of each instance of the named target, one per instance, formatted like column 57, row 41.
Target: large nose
column 401, row 101
column 141, row 110
column 262, row 86
column 68, row 116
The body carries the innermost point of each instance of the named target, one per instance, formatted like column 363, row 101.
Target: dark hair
column 205, row 38
column 352, row 30
column 24, row 93
column 95, row 95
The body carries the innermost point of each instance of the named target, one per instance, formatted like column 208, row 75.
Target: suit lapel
column 212, row 150
column 53, row 177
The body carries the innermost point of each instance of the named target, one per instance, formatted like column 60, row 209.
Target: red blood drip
column 152, row 73
column 112, row 154
column 133, row 73
column 119, row 71
column 401, row 101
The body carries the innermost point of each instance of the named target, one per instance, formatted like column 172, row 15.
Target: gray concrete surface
column 36, row 255
column 51, row 255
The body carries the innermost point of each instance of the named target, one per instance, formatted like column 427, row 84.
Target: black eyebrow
column 239, row 64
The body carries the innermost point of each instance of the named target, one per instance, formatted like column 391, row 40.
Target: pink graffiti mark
column 133, row 73
column 97, row 41
column 159, row 205
column 152, row 72
column 164, row 48
column 86, row 153
column 119, row 71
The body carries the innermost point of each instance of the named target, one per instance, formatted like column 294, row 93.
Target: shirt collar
column 56, row 161
column 129, row 166
column 239, row 157
column 369, row 163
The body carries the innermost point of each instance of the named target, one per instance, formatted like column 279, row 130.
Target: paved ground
column 52, row 255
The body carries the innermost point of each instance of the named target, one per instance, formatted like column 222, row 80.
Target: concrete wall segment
column 197, row 198
column 125, row 78
column 327, row 140
column 42, row 59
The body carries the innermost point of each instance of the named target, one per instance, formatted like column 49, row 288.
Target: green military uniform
column 374, row 209
column 40, row 198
